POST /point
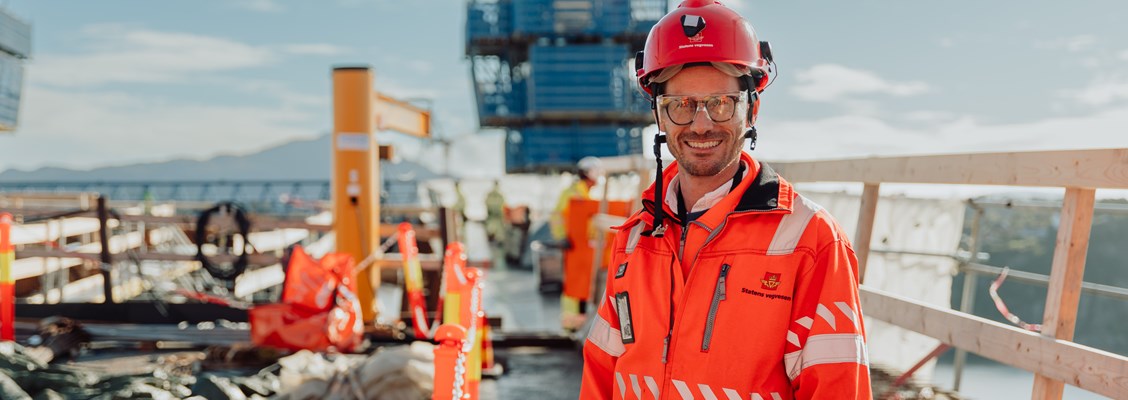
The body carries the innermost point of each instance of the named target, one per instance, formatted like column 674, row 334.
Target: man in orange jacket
column 728, row 284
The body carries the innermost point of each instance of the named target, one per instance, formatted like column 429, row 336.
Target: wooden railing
column 1052, row 356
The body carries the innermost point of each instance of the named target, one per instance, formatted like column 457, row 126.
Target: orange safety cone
column 450, row 363
column 413, row 280
column 7, row 286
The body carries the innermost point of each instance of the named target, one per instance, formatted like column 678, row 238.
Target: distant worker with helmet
column 496, row 226
column 589, row 170
column 727, row 284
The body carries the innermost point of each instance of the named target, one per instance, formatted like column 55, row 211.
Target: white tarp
column 904, row 224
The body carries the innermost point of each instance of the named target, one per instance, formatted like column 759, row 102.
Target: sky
column 117, row 82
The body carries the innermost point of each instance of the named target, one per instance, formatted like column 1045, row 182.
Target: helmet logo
column 692, row 26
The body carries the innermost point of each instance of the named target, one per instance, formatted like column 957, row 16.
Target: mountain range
column 308, row 159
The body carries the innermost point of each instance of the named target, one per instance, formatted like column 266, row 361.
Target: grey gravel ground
column 536, row 373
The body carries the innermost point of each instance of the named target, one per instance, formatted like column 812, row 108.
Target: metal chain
column 459, row 376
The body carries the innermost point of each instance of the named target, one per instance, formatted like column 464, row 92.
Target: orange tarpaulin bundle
column 319, row 307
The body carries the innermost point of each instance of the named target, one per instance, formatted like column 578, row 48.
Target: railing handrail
column 1102, row 168
column 1080, row 172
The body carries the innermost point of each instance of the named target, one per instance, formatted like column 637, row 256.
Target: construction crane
column 556, row 75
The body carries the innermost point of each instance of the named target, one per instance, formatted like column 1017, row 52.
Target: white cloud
column 315, row 49
column 928, row 116
column 861, row 136
column 1124, row 55
column 1103, row 90
column 278, row 91
column 259, row 5
column 947, row 42
column 112, row 128
column 120, row 54
column 1072, row 44
column 832, row 82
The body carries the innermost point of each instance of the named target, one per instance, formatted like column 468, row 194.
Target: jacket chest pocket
column 748, row 295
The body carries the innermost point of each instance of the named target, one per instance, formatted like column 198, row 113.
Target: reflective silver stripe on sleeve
column 791, row 227
column 606, row 338
column 622, row 386
column 632, row 238
column 826, row 349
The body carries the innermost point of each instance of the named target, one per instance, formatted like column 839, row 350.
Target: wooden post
column 1065, row 278
column 107, row 261
column 864, row 230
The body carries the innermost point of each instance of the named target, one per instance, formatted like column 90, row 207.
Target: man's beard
column 710, row 167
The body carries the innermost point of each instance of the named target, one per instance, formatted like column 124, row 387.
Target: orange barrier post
column 463, row 307
column 7, row 286
column 454, row 279
column 473, row 344
column 487, row 344
column 450, row 363
column 413, row 280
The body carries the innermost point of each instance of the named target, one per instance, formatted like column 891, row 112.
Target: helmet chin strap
column 658, row 229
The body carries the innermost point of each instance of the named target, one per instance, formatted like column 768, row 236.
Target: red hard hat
column 703, row 31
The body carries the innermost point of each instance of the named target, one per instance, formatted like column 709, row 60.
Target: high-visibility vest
column 769, row 309
column 558, row 226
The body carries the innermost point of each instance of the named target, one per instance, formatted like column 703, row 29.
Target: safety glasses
column 681, row 110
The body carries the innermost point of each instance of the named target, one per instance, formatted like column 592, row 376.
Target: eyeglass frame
column 664, row 101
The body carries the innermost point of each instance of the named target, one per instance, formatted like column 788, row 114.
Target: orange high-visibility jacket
column 769, row 310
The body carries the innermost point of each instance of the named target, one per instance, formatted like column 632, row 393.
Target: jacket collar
column 761, row 191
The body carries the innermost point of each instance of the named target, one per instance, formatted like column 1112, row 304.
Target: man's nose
column 702, row 122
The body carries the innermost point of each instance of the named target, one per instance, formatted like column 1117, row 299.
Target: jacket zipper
column 718, row 296
column 667, row 343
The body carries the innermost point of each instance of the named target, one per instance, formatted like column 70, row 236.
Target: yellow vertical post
column 356, row 176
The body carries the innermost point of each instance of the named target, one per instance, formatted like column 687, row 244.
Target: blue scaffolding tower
column 15, row 48
column 556, row 75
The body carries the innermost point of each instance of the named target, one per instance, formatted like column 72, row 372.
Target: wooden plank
column 604, row 222
column 864, row 231
column 1107, row 168
column 401, row 116
column 1091, row 369
column 259, row 279
column 90, row 289
column 1064, row 290
column 278, row 239
column 625, row 164
column 422, row 233
column 49, row 231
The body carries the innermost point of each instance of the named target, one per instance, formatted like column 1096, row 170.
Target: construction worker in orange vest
column 573, row 310
column 728, row 284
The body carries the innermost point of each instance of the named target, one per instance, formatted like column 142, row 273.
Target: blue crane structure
column 557, row 77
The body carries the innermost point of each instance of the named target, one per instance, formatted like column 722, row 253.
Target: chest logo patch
column 771, row 281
